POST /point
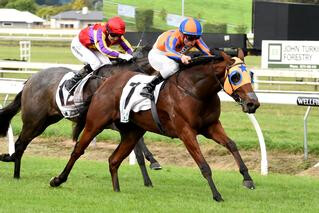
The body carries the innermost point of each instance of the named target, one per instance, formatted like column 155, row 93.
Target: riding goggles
column 114, row 35
column 192, row 37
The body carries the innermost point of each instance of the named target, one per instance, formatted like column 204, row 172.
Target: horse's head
column 238, row 82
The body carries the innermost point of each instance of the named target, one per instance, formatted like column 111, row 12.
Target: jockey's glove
column 126, row 57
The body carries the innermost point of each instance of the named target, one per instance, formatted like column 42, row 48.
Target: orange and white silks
column 236, row 76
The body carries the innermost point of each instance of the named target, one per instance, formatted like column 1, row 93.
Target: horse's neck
column 201, row 81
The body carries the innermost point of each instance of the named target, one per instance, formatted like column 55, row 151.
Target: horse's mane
column 199, row 58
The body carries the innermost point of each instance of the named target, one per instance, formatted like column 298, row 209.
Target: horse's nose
column 252, row 106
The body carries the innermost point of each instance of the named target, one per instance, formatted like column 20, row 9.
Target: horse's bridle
column 234, row 94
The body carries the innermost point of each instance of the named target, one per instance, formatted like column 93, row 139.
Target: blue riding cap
column 190, row 26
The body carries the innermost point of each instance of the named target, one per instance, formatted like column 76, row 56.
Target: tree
column 40, row 2
column 163, row 14
column 241, row 29
column 51, row 2
column 78, row 4
column 3, row 3
column 144, row 20
column 23, row 5
column 96, row 5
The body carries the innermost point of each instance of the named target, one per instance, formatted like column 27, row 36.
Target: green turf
column 89, row 189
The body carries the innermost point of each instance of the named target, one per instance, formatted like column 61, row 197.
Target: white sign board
column 174, row 20
column 126, row 10
column 290, row 54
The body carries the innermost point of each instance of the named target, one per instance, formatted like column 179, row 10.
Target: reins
column 234, row 95
column 185, row 90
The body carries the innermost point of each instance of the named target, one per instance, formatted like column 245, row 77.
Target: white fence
column 37, row 34
column 287, row 74
column 42, row 32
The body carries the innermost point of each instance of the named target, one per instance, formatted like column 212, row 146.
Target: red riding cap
column 115, row 25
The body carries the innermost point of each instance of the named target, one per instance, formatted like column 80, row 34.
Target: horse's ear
column 240, row 54
column 225, row 56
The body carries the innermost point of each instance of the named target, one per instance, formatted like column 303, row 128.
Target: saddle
column 71, row 103
column 131, row 98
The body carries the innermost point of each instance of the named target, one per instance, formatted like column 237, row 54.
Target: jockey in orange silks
column 93, row 44
column 171, row 46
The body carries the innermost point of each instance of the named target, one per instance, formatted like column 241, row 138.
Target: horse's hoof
column 249, row 184
column 6, row 158
column 218, row 198
column 149, row 184
column 17, row 177
column 55, row 182
column 155, row 166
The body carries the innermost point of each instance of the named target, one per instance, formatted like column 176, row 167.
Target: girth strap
column 155, row 116
column 154, row 111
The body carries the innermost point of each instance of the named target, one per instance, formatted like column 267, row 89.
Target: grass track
column 89, row 189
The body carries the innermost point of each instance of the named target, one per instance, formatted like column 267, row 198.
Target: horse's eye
column 235, row 77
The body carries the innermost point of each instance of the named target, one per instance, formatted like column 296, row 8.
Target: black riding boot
column 147, row 91
column 69, row 84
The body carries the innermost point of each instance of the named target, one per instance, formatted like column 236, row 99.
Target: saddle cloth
column 71, row 104
column 131, row 98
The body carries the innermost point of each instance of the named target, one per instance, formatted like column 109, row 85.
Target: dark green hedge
column 215, row 28
column 144, row 20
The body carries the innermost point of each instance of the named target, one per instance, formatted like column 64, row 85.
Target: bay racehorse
column 39, row 108
column 187, row 105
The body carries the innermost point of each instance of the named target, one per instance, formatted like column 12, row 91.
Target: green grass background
column 176, row 189
column 232, row 12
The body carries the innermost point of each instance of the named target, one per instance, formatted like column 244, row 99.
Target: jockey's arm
column 170, row 47
column 100, row 44
column 201, row 46
column 125, row 45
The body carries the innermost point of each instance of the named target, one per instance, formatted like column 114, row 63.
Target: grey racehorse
column 39, row 109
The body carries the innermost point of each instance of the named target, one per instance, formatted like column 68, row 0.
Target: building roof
column 13, row 15
column 80, row 15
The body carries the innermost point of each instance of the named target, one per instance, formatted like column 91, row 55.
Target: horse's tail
column 7, row 113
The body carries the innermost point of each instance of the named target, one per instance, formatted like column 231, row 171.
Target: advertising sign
column 125, row 10
column 174, row 20
column 290, row 54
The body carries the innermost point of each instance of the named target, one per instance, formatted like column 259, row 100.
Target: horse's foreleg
column 148, row 155
column 78, row 150
column 188, row 136
column 217, row 133
column 129, row 138
column 141, row 162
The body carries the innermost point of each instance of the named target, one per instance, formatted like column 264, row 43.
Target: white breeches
column 160, row 62
column 87, row 56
